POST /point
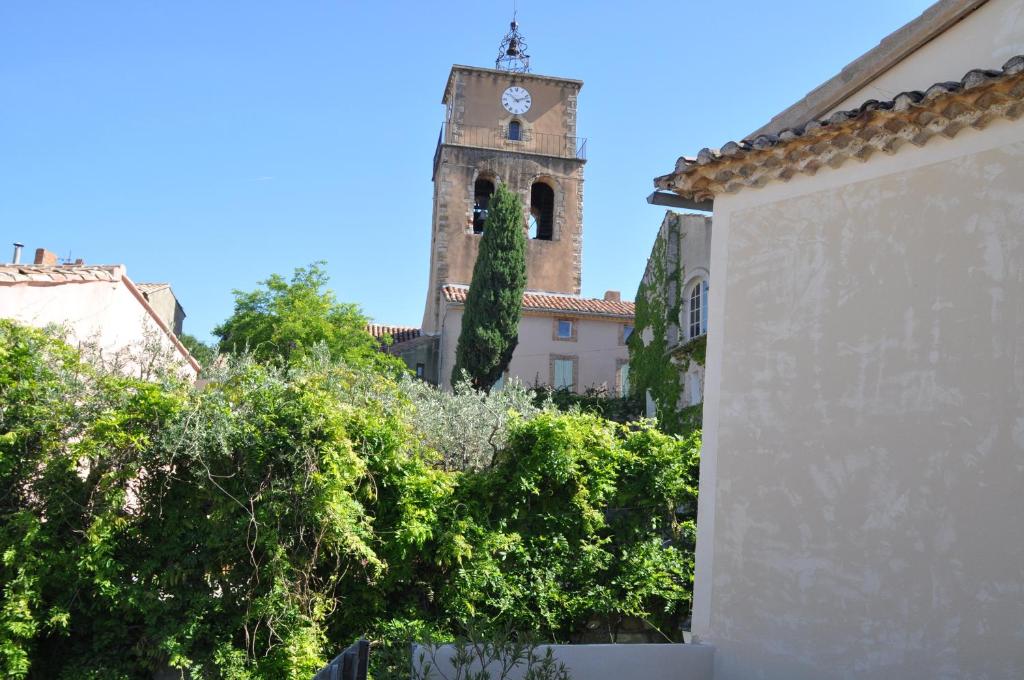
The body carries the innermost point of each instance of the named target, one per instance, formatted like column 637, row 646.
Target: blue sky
column 210, row 144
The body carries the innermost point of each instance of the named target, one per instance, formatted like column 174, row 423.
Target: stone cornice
column 480, row 71
column 516, row 153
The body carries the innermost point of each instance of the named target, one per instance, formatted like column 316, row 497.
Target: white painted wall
column 598, row 347
column 861, row 510
column 986, row 38
column 105, row 312
column 612, row 662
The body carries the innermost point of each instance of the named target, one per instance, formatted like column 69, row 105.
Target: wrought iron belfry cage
column 512, row 54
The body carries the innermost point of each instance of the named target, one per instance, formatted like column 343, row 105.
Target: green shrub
column 600, row 402
column 254, row 528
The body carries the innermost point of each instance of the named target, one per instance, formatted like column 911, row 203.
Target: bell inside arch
column 513, row 48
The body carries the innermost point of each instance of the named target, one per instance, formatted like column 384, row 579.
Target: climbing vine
column 655, row 365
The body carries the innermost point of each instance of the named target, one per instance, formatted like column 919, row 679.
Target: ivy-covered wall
column 658, row 359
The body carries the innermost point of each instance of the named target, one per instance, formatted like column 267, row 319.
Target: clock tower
column 507, row 126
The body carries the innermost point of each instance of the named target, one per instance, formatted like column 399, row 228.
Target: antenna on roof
column 512, row 55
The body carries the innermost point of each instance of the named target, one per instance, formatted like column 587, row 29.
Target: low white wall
column 608, row 662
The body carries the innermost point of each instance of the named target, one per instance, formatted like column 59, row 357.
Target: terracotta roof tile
column 58, row 274
column 398, row 333
column 978, row 98
column 552, row 302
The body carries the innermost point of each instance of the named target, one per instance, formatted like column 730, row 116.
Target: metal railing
column 560, row 146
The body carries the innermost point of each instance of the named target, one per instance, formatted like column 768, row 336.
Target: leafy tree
column 202, row 352
column 490, row 320
column 251, row 529
column 282, row 321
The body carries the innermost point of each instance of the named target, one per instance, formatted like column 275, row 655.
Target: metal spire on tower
column 512, row 54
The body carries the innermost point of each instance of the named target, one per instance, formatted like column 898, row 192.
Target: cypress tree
column 490, row 320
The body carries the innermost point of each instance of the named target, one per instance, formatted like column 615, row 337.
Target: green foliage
column 202, row 352
column 468, row 426
column 253, row 528
column 577, row 519
column 621, row 409
column 73, row 446
column 282, row 321
column 490, row 321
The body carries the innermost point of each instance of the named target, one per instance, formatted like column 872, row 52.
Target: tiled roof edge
column 914, row 116
column 55, row 275
column 608, row 311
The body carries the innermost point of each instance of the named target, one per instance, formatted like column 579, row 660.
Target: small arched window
column 697, row 310
column 515, row 131
column 483, row 189
column 542, row 211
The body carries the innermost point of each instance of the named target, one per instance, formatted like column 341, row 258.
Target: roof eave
column 944, row 108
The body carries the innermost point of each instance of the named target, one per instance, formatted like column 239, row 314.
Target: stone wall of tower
column 475, row 95
column 470, row 150
column 554, row 266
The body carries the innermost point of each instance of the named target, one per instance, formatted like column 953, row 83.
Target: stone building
column 508, row 126
column 667, row 353
column 861, row 510
column 161, row 297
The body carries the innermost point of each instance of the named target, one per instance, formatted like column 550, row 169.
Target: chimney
column 612, row 296
column 17, row 252
column 45, row 257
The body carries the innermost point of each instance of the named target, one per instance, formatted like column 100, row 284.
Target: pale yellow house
column 565, row 341
column 861, row 507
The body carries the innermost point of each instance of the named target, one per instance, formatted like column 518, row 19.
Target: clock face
column 516, row 100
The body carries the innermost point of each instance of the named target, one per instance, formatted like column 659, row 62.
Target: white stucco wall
column 986, row 38
column 598, row 348
column 861, row 510
column 104, row 312
column 606, row 662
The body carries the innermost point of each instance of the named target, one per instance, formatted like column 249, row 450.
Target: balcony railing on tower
column 518, row 139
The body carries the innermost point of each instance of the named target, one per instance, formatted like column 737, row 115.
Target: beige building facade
column 162, row 299
column 861, row 512
column 565, row 342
